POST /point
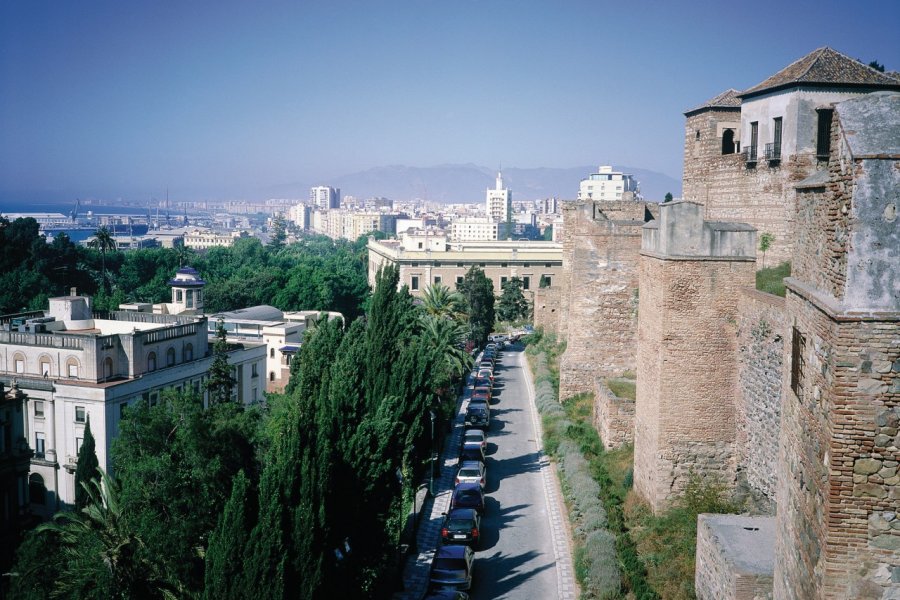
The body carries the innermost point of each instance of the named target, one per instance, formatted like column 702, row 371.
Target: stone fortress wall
column 808, row 385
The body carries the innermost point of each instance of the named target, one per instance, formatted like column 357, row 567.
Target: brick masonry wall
column 547, row 308
column 687, row 373
column 763, row 196
column 601, row 318
column 837, row 491
column 613, row 416
column 762, row 328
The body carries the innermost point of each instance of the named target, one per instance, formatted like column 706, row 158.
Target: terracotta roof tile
column 824, row 67
column 726, row 100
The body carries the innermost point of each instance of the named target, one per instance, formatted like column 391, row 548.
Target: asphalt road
column 515, row 559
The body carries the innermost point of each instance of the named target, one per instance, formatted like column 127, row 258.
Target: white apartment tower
column 499, row 202
column 607, row 185
column 325, row 197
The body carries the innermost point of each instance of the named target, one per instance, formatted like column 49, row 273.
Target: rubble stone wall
column 613, row 416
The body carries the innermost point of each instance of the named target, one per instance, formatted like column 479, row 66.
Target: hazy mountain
column 467, row 183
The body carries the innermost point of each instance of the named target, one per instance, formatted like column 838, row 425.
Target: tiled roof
column 824, row 67
column 726, row 100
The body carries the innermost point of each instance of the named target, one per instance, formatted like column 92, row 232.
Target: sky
column 224, row 99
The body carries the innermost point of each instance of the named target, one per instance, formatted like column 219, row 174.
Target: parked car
column 477, row 417
column 472, row 436
column 472, row 471
column 452, row 568
column 482, row 382
column 471, row 451
column 481, row 396
column 461, row 526
column 485, row 373
column 468, row 495
column 446, row 595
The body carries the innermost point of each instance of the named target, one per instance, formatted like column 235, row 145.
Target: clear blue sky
column 222, row 99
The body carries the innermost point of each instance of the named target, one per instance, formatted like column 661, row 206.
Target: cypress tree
column 88, row 467
column 264, row 556
column 224, row 557
column 221, row 382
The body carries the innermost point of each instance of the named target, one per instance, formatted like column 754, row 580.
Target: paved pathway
column 525, row 551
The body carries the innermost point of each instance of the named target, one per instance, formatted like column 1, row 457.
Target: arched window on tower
column 37, row 492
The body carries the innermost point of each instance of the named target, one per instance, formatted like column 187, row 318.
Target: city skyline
column 225, row 100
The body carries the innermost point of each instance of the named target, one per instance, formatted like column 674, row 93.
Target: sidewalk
column 417, row 565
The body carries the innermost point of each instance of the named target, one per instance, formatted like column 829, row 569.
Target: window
column 39, row 409
column 78, row 442
column 178, row 296
column 40, row 443
column 504, row 265
column 502, row 281
column 460, row 266
column 151, row 361
column 754, row 140
column 481, row 265
column 823, row 133
column 547, row 265
column 545, row 281
column 108, row 367
column 420, row 245
column 170, row 357
column 526, row 283
column 154, row 398
column 253, row 370
column 254, row 395
column 271, row 352
column 20, row 365
column 728, row 146
column 776, row 138
column 459, row 280
column 80, row 414
column 526, row 265
column 123, row 407
column 45, row 367
column 37, row 493
column 798, row 344
column 72, row 368
column 437, row 279
column 415, row 264
column 414, row 283
column 189, row 352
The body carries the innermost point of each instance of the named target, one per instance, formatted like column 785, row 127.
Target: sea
column 76, row 234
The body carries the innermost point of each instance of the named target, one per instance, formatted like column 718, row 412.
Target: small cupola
column 187, row 291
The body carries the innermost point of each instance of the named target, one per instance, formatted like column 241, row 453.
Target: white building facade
column 606, row 185
column 325, row 197
column 498, row 202
column 473, row 229
column 75, row 365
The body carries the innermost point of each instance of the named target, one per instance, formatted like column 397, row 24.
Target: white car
column 472, row 471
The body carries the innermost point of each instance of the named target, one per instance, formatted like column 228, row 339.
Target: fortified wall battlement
column 597, row 301
column 685, row 421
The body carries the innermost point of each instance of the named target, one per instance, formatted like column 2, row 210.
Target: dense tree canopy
column 477, row 291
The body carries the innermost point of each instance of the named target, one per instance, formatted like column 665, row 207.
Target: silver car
column 472, row 471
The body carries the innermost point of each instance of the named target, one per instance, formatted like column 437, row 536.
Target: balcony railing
column 749, row 154
column 773, row 152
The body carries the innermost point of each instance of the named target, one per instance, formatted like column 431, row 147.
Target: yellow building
column 427, row 257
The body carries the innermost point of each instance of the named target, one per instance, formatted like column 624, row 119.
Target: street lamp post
column 431, row 477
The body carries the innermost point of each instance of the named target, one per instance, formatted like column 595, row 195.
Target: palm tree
column 103, row 242
column 101, row 552
column 448, row 338
column 439, row 301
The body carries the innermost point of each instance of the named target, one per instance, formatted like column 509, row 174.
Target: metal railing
column 773, row 151
column 749, row 154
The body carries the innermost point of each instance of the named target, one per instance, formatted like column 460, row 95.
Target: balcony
column 773, row 152
column 749, row 154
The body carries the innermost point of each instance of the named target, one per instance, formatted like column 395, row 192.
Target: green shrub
column 771, row 280
column 599, row 557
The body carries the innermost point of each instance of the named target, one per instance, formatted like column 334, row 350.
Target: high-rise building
column 325, row 197
column 499, row 201
column 606, row 184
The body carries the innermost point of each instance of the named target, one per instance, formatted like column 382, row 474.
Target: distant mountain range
column 448, row 184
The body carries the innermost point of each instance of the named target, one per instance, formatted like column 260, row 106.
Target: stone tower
column 712, row 136
column 691, row 271
column 838, row 490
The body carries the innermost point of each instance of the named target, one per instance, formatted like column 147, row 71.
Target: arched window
column 271, row 352
column 37, row 493
column 170, row 357
column 72, row 367
column 271, row 375
column 188, row 352
column 151, row 361
column 728, row 142
column 45, row 366
column 19, row 362
column 108, row 367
